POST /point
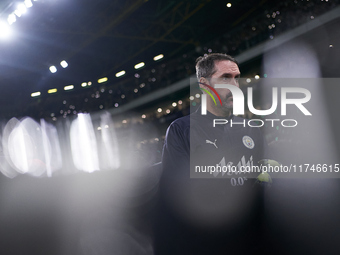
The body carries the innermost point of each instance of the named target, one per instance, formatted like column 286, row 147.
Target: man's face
column 227, row 72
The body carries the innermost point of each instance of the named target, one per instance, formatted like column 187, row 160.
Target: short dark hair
column 205, row 65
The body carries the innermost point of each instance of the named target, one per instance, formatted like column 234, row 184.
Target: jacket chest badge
column 248, row 142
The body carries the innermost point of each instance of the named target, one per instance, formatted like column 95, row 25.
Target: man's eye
column 229, row 79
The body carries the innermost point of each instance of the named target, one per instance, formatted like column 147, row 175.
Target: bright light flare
column 22, row 8
column 64, row 64
column 5, row 30
column 139, row 65
column 28, row 3
column 51, row 91
column 11, row 18
column 20, row 148
column 53, row 69
column 101, row 80
column 158, row 57
column 7, row 166
column 109, row 152
column 18, row 13
column 28, row 147
column 51, row 147
column 33, row 148
column 69, row 87
column 119, row 74
column 35, row 94
column 83, row 144
column 228, row 5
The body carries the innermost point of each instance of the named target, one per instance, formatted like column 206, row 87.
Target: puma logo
column 210, row 142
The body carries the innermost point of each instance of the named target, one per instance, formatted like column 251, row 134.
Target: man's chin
column 228, row 105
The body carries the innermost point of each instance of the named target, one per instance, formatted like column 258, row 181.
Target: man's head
column 205, row 65
column 218, row 68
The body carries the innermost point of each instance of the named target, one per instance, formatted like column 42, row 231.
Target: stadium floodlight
column 11, row 18
column 69, row 87
column 121, row 73
column 51, row 91
column 18, row 13
column 84, row 84
column 228, row 5
column 5, row 30
column 139, row 65
column 28, row 3
column 64, row 64
column 35, row 94
column 53, row 69
column 158, row 57
column 101, row 80
column 22, row 8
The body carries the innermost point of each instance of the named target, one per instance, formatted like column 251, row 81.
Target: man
column 193, row 139
column 212, row 211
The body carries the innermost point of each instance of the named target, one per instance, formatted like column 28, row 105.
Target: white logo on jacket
column 210, row 142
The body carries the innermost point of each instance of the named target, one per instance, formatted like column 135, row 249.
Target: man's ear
column 203, row 81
